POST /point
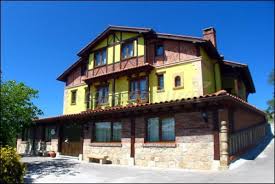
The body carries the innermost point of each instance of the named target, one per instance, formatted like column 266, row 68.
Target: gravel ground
column 255, row 166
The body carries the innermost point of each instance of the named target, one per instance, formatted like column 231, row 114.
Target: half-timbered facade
column 139, row 97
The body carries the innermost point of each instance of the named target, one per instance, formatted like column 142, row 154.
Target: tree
column 17, row 110
column 270, row 103
column 271, row 77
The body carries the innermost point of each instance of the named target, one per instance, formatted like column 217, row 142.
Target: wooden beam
column 113, row 92
column 137, row 53
column 145, row 50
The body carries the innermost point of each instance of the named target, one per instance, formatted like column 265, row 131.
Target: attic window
column 100, row 57
column 127, row 50
column 159, row 50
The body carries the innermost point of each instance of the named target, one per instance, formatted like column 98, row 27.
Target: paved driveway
column 62, row 170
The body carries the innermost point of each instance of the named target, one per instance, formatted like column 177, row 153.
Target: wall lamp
column 204, row 116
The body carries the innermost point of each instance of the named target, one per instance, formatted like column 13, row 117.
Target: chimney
column 210, row 34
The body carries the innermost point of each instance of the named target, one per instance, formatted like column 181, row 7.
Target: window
column 177, row 81
column 153, row 130
column 139, row 89
column 117, row 131
column 47, row 134
column 103, row 132
column 87, row 95
column 83, row 69
column 73, row 97
column 100, row 57
column 160, row 82
column 159, row 50
column 102, row 94
column 127, row 50
column 107, row 132
column 160, row 129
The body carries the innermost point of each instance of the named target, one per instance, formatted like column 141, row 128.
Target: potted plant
column 52, row 154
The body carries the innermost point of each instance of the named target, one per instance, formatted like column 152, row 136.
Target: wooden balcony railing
column 117, row 99
column 241, row 141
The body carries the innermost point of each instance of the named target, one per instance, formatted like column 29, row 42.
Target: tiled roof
column 221, row 93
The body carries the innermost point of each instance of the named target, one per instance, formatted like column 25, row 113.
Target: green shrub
column 12, row 170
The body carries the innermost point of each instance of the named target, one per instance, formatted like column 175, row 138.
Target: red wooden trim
column 146, row 129
column 179, row 49
column 216, row 145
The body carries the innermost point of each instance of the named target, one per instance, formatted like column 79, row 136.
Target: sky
column 39, row 40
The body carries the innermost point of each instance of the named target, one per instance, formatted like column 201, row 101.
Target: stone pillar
column 224, row 152
column 80, row 157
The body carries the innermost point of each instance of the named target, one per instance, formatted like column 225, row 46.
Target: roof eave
column 180, row 37
column 63, row 76
column 246, row 70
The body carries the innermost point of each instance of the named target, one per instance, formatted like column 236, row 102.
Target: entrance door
column 72, row 141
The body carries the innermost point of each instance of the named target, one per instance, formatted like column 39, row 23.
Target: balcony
column 122, row 68
column 118, row 99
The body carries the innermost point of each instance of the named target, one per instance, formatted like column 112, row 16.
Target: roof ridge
column 131, row 27
column 180, row 35
column 234, row 62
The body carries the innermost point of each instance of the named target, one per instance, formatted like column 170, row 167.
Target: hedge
column 11, row 169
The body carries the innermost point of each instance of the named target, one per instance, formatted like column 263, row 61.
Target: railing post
column 224, row 151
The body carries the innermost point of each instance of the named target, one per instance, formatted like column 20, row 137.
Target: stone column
column 224, row 152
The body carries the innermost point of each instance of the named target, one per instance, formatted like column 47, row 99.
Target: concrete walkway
column 61, row 170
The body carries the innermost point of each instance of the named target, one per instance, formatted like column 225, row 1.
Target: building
column 139, row 97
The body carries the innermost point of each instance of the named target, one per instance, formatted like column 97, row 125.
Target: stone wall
column 25, row 147
column 193, row 148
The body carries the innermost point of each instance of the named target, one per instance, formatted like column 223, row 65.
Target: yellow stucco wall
column 197, row 77
column 210, row 74
column 80, row 104
column 218, row 76
column 190, row 74
column 110, row 50
column 191, row 85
